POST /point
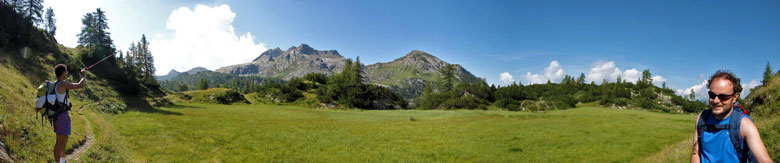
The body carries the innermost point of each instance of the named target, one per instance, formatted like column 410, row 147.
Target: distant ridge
column 406, row 75
column 293, row 62
column 174, row 73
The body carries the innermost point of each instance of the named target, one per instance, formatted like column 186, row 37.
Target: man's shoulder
column 746, row 117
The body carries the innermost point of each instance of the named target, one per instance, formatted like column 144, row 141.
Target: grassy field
column 209, row 132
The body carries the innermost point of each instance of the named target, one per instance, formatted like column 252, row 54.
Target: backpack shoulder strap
column 736, row 139
column 700, row 126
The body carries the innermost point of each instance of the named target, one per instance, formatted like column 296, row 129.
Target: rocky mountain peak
column 293, row 62
column 418, row 53
column 409, row 74
column 305, row 49
column 421, row 59
column 269, row 55
column 173, row 72
column 196, row 70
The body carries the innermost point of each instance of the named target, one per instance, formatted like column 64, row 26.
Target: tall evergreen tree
column 647, row 80
column 767, row 74
column 146, row 61
column 692, row 96
column 345, row 73
column 664, row 86
column 447, row 77
column 581, row 79
column 94, row 32
column 357, row 72
column 51, row 26
column 203, row 84
column 33, row 10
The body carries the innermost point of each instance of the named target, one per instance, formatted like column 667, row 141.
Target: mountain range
column 406, row 75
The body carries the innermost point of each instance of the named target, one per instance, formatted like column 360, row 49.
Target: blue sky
column 681, row 42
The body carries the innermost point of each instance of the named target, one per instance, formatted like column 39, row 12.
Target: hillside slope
column 408, row 75
column 765, row 103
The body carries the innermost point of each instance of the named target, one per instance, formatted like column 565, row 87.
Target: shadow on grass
column 176, row 106
column 141, row 105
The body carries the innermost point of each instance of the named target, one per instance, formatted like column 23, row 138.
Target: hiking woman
column 62, row 123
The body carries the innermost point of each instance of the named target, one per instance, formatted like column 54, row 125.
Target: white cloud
column 603, row 70
column 658, row 80
column 68, row 15
column 507, row 78
column 631, row 75
column 203, row 36
column 700, row 91
column 607, row 70
column 553, row 73
column 746, row 88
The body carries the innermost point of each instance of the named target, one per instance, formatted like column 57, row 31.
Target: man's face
column 721, row 88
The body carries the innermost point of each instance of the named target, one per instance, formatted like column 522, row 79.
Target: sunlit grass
column 207, row 132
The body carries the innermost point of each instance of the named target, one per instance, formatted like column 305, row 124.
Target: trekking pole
column 93, row 65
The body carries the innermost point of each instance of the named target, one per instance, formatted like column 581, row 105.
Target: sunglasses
column 722, row 97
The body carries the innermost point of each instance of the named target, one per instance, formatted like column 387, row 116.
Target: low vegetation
column 764, row 102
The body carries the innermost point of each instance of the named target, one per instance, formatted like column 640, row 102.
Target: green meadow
column 243, row 133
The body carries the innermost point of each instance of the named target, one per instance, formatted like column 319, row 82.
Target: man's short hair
column 59, row 69
column 728, row 75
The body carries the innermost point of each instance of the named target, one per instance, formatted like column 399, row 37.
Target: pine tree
column 33, row 10
column 664, row 86
column 581, row 79
column 146, row 61
column 692, row 96
column 51, row 26
column 346, row 72
column 767, row 74
column 447, row 77
column 357, row 72
column 646, row 80
column 94, row 32
column 203, row 84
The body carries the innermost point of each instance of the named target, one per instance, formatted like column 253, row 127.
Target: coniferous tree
column 33, row 10
column 447, row 77
column 51, row 26
column 95, row 37
column 146, row 62
column 357, row 71
column 203, row 84
column 664, row 86
column 646, row 80
column 692, row 96
column 581, row 79
column 767, row 74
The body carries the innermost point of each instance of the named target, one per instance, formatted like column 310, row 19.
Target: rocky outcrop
column 293, row 62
